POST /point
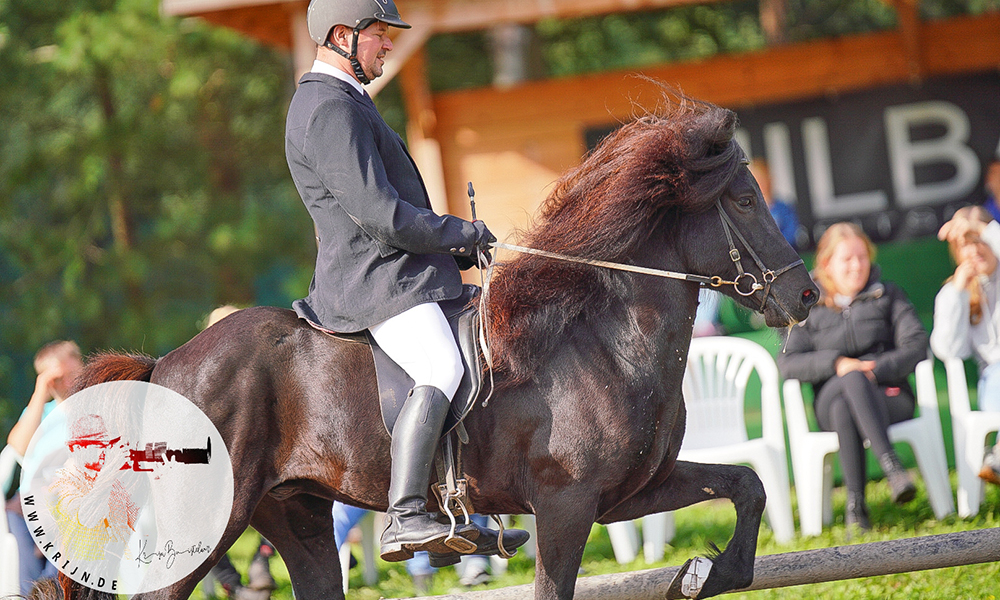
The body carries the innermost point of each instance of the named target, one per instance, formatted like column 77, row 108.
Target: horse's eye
column 745, row 201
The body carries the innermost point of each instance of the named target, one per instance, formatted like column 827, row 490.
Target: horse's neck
column 660, row 315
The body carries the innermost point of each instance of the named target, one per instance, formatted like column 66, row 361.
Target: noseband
column 752, row 285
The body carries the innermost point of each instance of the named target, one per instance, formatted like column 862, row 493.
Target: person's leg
column 474, row 568
column 226, row 574
column 989, row 401
column 420, row 341
column 259, row 572
column 345, row 517
column 421, row 571
column 989, row 389
column 834, row 414
column 29, row 565
column 870, row 408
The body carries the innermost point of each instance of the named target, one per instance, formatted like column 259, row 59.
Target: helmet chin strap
column 353, row 56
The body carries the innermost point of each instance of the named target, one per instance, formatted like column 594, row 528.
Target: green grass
column 713, row 522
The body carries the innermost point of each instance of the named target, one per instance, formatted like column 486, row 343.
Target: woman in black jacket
column 857, row 348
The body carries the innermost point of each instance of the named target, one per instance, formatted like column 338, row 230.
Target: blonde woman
column 966, row 310
column 857, row 348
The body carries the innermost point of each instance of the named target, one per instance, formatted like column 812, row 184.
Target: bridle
column 745, row 284
column 767, row 275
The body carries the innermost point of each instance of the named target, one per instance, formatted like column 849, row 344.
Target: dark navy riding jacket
column 381, row 249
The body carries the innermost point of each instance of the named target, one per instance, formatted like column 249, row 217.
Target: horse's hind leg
column 301, row 529
column 690, row 483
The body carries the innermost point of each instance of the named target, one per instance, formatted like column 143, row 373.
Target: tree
column 142, row 178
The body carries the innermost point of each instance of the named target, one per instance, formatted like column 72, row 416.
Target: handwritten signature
column 168, row 552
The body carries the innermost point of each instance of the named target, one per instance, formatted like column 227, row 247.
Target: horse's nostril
column 809, row 298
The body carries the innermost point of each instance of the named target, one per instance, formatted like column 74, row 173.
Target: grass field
column 713, row 522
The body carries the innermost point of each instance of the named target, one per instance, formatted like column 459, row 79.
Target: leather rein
column 745, row 284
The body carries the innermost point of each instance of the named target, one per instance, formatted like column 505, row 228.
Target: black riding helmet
column 324, row 15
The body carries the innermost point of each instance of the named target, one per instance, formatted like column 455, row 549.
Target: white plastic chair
column 657, row 532
column 10, row 578
column 970, row 429
column 812, row 452
column 715, row 383
column 715, row 387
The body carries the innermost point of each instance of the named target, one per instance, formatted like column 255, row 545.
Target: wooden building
column 514, row 142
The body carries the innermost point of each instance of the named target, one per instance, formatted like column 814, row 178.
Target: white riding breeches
column 420, row 341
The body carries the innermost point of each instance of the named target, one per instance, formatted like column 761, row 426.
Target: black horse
column 587, row 416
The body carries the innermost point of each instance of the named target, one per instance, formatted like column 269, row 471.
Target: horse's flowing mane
column 676, row 160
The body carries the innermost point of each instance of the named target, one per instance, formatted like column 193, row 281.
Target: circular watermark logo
column 127, row 487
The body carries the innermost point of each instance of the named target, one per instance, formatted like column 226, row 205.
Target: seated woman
column 966, row 315
column 857, row 348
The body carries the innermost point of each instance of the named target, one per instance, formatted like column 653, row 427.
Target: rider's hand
column 483, row 240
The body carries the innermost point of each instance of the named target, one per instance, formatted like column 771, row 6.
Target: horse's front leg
column 690, row 483
column 563, row 521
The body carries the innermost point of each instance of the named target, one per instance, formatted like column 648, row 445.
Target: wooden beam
column 463, row 15
column 804, row 567
column 908, row 17
column 438, row 15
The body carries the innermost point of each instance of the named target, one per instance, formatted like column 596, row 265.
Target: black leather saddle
column 394, row 384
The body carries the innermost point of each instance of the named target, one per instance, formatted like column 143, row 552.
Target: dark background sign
column 898, row 160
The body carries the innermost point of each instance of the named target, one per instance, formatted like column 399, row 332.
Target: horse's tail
column 100, row 368
column 66, row 589
column 109, row 366
column 63, row 588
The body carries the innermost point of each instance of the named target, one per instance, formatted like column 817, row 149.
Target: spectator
column 857, row 348
column 992, row 185
column 706, row 319
column 57, row 364
column 783, row 213
column 473, row 569
column 966, row 309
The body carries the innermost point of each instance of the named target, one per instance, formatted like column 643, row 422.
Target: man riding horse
column 384, row 259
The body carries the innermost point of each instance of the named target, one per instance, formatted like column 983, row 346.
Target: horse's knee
column 748, row 490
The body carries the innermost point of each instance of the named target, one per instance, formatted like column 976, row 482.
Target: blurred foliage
column 640, row 39
column 939, row 9
column 142, row 179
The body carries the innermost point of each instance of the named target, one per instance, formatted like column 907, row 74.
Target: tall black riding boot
column 409, row 527
column 902, row 486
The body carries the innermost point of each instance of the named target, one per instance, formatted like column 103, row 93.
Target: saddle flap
column 394, row 384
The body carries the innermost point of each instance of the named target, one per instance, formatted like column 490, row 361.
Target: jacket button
column 462, row 249
column 454, row 250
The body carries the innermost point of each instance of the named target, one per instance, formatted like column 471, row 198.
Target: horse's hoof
column 690, row 578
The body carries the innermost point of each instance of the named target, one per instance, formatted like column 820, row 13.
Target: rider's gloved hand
column 484, row 238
